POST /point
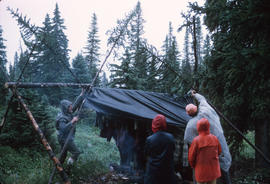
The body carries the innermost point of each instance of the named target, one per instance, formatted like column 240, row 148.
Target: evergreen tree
column 3, row 70
column 138, row 54
column 170, row 71
column 11, row 72
column 104, row 81
column 60, row 40
column 121, row 75
column 135, row 57
column 153, row 73
column 12, row 68
column 19, row 132
column 46, row 67
column 207, row 46
column 192, row 23
column 238, row 68
column 49, row 46
column 26, row 76
column 186, row 71
column 92, row 50
column 53, row 60
column 55, row 56
column 80, row 69
column 199, row 39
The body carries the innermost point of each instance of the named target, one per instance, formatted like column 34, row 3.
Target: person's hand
column 83, row 91
column 74, row 120
column 193, row 92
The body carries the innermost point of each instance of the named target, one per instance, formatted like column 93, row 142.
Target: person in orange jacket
column 204, row 110
column 203, row 154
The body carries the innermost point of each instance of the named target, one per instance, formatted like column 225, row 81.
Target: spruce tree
column 60, row 41
column 3, row 70
column 121, row 75
column 18, row 131
column 104, row 81
column 192, row 23
column 138, row 54
column 170, row 70
column 238, row 67
column 206, row 46
column 80, row 69
column 45, row 66
column 59, row 46
column 153, row 73
column 199, row 39
column 135, row 56
column 92, row 50
column 186, row 71
column 48, row 52
column 12, row 68
column 53, row 61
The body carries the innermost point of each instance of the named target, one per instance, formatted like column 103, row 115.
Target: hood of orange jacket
column 159, row 123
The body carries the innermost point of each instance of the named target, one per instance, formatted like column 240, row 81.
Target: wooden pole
column 44, row 141
column 62, row 153
column 195, row 82
column 45, row 85
column 240, row 133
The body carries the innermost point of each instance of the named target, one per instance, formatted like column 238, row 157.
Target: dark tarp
column 138, row 104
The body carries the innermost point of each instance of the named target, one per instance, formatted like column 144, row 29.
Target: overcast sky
column 77, row 18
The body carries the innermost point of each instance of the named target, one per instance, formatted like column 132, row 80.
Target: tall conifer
column 92, row 50
column 3, row 70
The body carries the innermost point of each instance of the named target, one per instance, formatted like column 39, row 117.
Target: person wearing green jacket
column 65, row 120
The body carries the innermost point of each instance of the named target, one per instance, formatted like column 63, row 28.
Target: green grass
column 97, row 154
column 33, row 167
column 247, row 151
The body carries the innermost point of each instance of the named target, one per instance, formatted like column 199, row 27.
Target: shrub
column 26, row 165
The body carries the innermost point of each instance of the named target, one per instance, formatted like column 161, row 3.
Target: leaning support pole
column 242, row 135
column 62, row 153
column 43, row 140
column 45, row 85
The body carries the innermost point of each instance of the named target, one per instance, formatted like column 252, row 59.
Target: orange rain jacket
column 203, row 153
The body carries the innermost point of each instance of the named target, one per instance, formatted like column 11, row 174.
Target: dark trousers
column 225, row 177
column 72, row 148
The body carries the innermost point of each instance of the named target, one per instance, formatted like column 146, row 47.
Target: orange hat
column 191, row 109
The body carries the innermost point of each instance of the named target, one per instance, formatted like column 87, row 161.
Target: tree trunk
column 195, row 82
column 262, row 142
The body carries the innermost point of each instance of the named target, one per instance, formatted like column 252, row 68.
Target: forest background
column 230, row 66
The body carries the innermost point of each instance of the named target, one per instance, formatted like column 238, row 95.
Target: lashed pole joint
column 44, row 141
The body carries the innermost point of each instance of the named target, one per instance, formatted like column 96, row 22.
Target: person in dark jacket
column 64, row 122
column 160, row 148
